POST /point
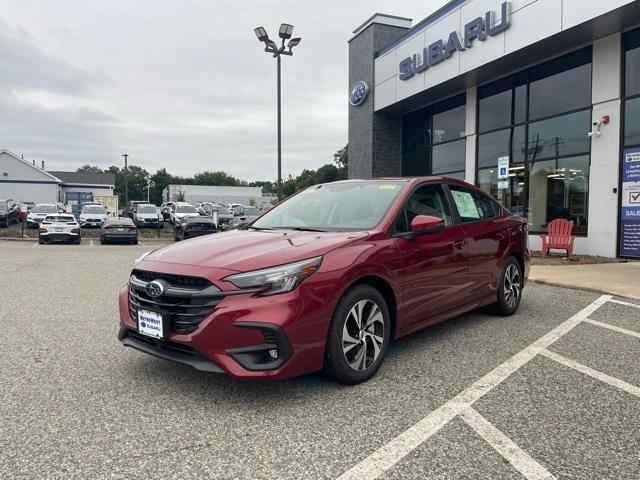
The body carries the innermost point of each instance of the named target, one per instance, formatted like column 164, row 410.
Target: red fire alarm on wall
column 605, row 119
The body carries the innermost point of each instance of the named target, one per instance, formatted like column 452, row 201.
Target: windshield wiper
column 258, row 228
column 302, row 229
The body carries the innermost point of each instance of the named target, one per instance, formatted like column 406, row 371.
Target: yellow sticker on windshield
column 387, row 187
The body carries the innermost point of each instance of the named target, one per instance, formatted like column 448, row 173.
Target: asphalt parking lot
column 550, row 392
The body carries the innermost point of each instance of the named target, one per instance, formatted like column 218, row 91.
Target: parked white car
column 59, row 227
column 93, row 216
column 39, row 213
column 180, row 210
column 147, row 215
column 236, row 209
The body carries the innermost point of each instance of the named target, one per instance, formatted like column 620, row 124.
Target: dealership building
column 537, row 102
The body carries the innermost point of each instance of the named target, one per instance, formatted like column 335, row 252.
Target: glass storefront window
column 561, row 85
column 508, row 192
column 632, row 63
column 492, row 146
column 632, row 122
column 448, row 157
column 545, row 143
column 560, row 136
column 559, row 189
column 449, row 125
column 434, row 139
column 494, row 111
column 415, row 163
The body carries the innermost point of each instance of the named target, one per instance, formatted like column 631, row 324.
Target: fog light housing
column 273, row 353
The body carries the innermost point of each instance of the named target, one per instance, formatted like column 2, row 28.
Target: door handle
column 459, row 244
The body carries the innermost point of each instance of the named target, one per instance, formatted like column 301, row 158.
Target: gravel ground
column 77, row 404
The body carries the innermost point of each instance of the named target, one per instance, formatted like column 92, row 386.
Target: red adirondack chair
column 558, row 237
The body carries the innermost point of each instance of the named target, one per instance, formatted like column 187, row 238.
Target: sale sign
column 630, row 205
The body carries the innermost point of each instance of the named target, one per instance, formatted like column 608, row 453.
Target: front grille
column 166, row 346
column 269, row 337
column 93, row 220
column 186, row 301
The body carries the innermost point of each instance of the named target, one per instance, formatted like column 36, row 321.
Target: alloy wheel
column 512, row 285
column 363, row 334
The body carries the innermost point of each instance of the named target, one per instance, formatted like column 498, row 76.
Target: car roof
column 183, row 203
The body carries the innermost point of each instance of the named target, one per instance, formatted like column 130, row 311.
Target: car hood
column 245, row 250
column 180, row 215
column 147, row 215
column 93, row 215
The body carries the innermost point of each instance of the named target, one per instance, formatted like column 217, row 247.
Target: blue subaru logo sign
column 154, row 289
column 358, row 93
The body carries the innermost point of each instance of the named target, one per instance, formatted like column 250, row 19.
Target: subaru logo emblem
column 154, row 289
column 358, row 93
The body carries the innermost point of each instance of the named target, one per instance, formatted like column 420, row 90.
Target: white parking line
column 613, row 327
column 603, row 377
column 517, row 457
column 395, row 450
column 622, row 302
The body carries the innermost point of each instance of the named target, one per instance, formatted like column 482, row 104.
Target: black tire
column 175, row 235
column 77, row 241
column 135, row 242
column 352, row 362
column 510, row 288
column 41, row 241
column 102, row 241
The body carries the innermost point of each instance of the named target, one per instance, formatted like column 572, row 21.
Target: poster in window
column 630, row 204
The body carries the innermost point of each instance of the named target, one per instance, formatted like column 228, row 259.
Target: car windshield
column 185, row 209
column 94, row 209
column 349, row 206
column 251, row 211
column 44, row 209
column 221, row 210
column 146, row 209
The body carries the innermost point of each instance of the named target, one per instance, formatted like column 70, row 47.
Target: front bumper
column 239, row 335
column 59, row 236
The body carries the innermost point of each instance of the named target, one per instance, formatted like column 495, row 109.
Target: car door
column 435, row 264
column 486, row 230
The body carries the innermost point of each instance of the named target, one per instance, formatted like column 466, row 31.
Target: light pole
column 126, row 181
column 270, row 46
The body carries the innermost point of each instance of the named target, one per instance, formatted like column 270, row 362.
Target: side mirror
column 423, row 224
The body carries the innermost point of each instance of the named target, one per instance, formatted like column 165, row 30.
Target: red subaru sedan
column 327, row 279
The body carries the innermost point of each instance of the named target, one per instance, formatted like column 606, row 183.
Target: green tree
column 90, row 169
column 216, row 178
column 160, row 180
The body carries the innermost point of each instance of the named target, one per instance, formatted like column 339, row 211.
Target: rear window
column 60, row 219
column 44, row 209
column 185, row 209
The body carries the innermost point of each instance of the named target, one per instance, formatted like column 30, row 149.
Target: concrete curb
column 582, row 288
column 14, row 239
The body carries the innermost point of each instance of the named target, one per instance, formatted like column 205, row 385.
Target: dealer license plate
column 57, row 229
column 120, row 229
column 150, row 324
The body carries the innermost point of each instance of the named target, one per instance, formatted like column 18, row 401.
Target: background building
column 535, row 101
column 218, row 194
column 25, row 181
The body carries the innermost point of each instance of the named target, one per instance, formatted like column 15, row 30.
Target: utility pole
column 126, row 181
column 279, row 135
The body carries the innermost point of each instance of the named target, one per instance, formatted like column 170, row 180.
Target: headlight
column 141, row 257
column 280, row 279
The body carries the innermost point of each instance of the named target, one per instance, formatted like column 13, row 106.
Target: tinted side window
column 471, row 205
column 425, row 200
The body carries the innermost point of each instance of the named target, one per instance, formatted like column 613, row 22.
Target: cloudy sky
column 180, row 84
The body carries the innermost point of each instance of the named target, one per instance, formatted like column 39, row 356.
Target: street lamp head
column 271, row 44
column 261, row 33
column 286, row 31
column 293, row 42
